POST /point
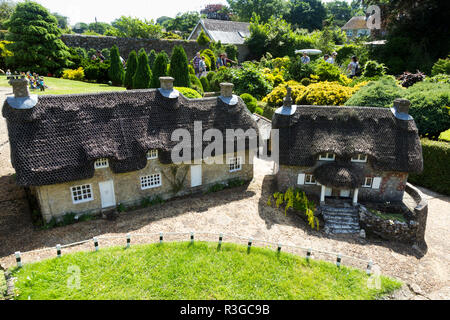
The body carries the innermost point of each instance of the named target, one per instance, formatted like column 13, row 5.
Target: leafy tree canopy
column 135, row 28
column 340, row 11
column 244, row 9
column 184, row 22
column 80, row 27
column 99, row 27
column 63, row 22
column 6, row 10
column 307, row 14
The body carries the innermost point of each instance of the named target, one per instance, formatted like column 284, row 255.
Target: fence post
column 18, row 259
column 308, row 254
column 220, row 240
column 160, row 237
column 96, row 244
column 369, row 268
column 58, row 250
column 279, row 247
column 192, row 237
column 250, row 240
column 128, row 240
column 338, row 260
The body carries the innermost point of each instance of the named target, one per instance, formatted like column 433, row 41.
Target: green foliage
column 179, row 67
column 99, row 27
column 259, row 111
column 6, row 10
column 442, row 66
column 263, row 8
column 196, row 84
column 299, row 70
column 151, row 58
column 143, row 76
column 232, row 52
column 116, row 72
column 130, row 27
column 191, row 69
column 189, row 93
column 183, row 22
column 250, row 101
column 159, row 70
column 131, row 67
column 94, row 70
column 205, row 83
column 445, row 136
column 374, row 69
column 151, row 201
column 212, row 58
column 305, row 82
column 307, row 14
column 440, row 78
column 436, row 171
column 36, row 45
column 210, row 75
column 338, row 12
column 203, row 39
column 326, row 71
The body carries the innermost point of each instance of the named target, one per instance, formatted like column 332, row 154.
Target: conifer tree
column 159, row 69
column 179, row 68
column 151, row 58
column 131, row 70
column 143, row 75
column 116, row 72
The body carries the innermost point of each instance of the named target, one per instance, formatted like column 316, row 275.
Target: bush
column 442, row 66
column 106, row 53
column 96, row 71
column 189, row 93
column 179, row 67
column 151, row 59
column 210, row 75
column 250, row 80
column 205, row 84
column 298, row 70
column 276, row 97
column 203, row 39
column 445, row 136
column 77, row 74
column 191, row 69
column 196, row 84
column 379, row 93
column 430, row 107
column 408, row 79
column 222, row 75
column 259, row 111
column 440, row 78
column 143, row 76
column 326, row 71
column 232, row 52
column 436, row 171
column 159, row 70
column 305, row 82
column 212, row 58
column 326, row 93
column 116, row 72
column 250, row 102
column 373, row 69
column 130, row 70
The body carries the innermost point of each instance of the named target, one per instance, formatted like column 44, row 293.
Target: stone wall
column 126, row 45
column 55, row 200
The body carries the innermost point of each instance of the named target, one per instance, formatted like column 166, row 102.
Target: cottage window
column 152, row 154
column 368, row 182
column 151, row 181
column 327, row 156
column 360, row 158
column 309, row 179
column 82, row 193
column 101, row 163
column 235, row 164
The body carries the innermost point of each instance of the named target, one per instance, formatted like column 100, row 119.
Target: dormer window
column 368, row 182
column 101, row 163
column 327, row 156
column 152, row 154
column 309, row 179
column 359, row 158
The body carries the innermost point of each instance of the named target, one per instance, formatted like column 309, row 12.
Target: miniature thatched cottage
column 87, row 153
column 355, row 153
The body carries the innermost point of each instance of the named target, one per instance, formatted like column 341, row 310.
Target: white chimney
column 226, row 94
column 167, row 89
column 401, row 109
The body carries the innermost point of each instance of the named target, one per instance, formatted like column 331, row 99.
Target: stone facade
column 126, row 45
column 56, row 200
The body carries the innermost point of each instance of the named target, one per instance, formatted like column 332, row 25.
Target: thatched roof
column 228, row 32
column 340, row 175
column 390, row 143
column 358, row 22
column 60, row 138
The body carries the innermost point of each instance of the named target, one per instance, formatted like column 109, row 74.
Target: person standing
column 305, row 59
column 353, row 67
column 201, row 67
column 326, row 58
column 332, row 59
column 196, row 63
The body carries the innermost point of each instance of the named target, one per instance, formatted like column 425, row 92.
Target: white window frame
column 146, row 181
column 327, row 156
column 360, row 158
column 81, row 192
column 366, row 184
column 152, row 154
column 235, row 164
column 309, row 178
column 101, row 163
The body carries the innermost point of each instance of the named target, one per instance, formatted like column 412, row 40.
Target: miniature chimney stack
column 226, row 94
column 167, row 89
column 287, row 102
column 402, row 105
column 20, row 86
column 287, row 109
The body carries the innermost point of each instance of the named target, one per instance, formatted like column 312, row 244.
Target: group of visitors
column 35, row 81
column 200, row 64
column 353, row 67
column 98, row 55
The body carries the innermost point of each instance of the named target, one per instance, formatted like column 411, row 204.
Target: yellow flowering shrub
column 327, row 93
column 71, row 74
column 344, row 80
column 275, row 76
column 276, row 97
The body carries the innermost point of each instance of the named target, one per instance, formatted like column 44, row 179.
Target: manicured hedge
column 436, row 172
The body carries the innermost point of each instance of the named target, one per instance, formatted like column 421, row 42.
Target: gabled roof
column 391, row 144
column 358, row 22
column 59, row 139
column 227, row 32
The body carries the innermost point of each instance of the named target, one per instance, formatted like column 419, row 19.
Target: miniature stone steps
column 341, row 220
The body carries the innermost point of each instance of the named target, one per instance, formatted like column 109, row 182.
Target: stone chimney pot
column 226, row 94
column 402, row 105
column 20, row 86
column 167, row 89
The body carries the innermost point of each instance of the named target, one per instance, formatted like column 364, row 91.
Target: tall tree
column 35, row 39
column 183, row 22
column 131, row 69
column 159, row 69
column 244, row 9
column 135, row 28
column 143, row 76
column 6, row 10
column 307, row 14
column 179, row 68
column 339, row 11
column 99, row 27
column 116, row 72
column 151, row 58
column 63, row 22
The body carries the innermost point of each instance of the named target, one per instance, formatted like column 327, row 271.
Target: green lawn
column 63, row 86
column 200, row 271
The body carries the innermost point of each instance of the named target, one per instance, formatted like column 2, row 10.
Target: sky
column 109, row 10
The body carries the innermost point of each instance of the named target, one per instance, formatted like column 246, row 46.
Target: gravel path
column 241, row 211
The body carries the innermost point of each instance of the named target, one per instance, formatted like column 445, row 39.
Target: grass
column 3, row 287
column 389, row 216
column 200, row 271
column 63, row 86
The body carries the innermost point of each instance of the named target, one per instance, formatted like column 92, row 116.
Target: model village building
column 88, row 153
column 354, row 153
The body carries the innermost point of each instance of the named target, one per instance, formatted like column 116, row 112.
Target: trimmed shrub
column 436, row 171
column 151, row 59
column 232, row 52
column 205, row 84
column 212, row 58
column 305, row 82
column 440, row 78
column 250, row 79
column 326, row 93
column 143, row 76
column 106, row 53
column 268, row 112
column 191, row 69
column 442, row 66
column 326, row 71
column 189, row 93
column 259, row 111
column 373, row 69
column 196, row 84
column 116, row 72
column 445, row 136
column 276, row 97
column 298, row 70
column 203, row 39
column 210, row 75
column 179, row 67
column 130, row 70
column 159, row 70
column 96, row 71
column 77, row 74
column 250, row 102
